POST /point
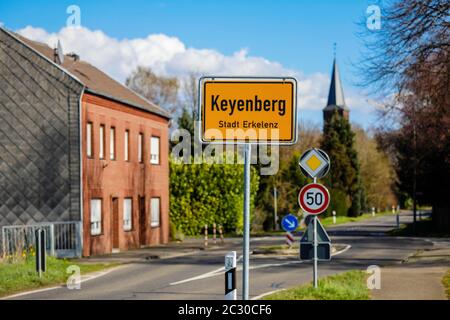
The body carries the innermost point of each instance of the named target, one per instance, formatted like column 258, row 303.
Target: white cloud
column 170, row 56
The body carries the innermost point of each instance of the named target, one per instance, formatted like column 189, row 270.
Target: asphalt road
column 200, row 275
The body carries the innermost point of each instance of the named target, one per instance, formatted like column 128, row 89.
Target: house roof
column 336, row 92
column 96, row 81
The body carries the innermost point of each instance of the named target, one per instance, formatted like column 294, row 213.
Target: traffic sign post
column 238, row 110
column 289, row 223
column 314, row 163
column 314, row 199
column 246, row 245
column 315, row 253
column 275, row 208
column 248, row 110
column 307, row 242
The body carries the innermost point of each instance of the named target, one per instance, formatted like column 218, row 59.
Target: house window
column 96, row 217
column 127, row 214
column 140, row 146
column 155, row 212
column 154, row 150
column 112, row 144
column 126, row 145
column 89, row 140
column 101, row 147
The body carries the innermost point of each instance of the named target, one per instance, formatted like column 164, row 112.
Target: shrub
column 208, row 193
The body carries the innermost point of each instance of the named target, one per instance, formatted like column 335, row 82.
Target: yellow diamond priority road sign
column 314, row 163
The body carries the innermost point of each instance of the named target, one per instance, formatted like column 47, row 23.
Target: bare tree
column 410, row 58
column 161, row 90
column 412, row 32
column 190, row 92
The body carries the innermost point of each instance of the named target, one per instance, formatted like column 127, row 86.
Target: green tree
column 288, row 180
column 338, row 142
column 408, row 62
column 186, row 121
column 377, row 172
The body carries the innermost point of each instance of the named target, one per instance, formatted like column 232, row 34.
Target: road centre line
column 218, row 272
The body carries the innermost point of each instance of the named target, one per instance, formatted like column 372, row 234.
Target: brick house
column 77, row 147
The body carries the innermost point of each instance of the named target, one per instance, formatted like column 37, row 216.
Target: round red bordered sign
column 314, row 198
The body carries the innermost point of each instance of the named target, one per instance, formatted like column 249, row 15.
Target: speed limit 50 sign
column 314, row 198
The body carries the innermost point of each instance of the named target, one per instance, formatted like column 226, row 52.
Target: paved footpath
column 419, row 278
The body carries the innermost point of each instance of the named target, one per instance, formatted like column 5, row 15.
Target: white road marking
column 266, row 294
column 218, row 272
column 278, row 290
column 347, row 247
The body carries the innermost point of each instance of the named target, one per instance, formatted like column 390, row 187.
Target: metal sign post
column 314, row 199
column 398, row 219
column 246, row 245
column 315, row 253
column 244, row 110
column 275, row 208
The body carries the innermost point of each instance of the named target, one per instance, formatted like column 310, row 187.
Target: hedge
column 208, row 193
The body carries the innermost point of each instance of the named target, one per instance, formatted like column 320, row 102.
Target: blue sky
column 298, row 35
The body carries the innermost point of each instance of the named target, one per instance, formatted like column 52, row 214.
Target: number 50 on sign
column 314, row 198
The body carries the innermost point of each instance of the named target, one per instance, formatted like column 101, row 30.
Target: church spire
column 336, row 101
column 336, row 92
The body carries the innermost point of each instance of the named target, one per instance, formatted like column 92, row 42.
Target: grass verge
column 423, row 228
column 275, row 247
column 446, row 282
column 350, row 285
column 328, row 221
column 22, row 276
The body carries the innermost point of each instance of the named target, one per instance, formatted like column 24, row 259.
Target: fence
column 63, row 238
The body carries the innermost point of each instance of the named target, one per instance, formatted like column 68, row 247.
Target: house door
column 142, row 222
column 115, row 223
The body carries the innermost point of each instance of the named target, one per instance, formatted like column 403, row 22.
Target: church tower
column 336, row 101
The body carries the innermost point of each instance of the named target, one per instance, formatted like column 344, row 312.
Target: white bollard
column 230, row 276
column 334, row 217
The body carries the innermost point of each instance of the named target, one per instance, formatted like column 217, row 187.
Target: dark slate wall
column 39, row 138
